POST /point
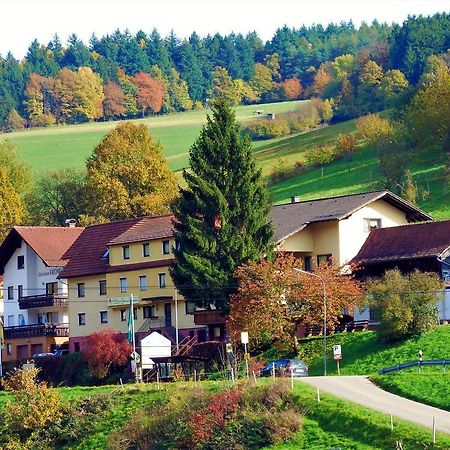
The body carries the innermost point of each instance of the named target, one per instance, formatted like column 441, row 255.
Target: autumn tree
column 14, row 121
column 221, row 216
column 346, row 146
column 150, row 92
column 320, row 155
column 292, row 88
column 104, row 350
column 405, row 305
column 373, row 128
column 429, row 110
column 56, row 197
column 321, row 81
column 127, row 175
column 114, row 101
column 261, row 81
column 224, row 87
column 273, row 300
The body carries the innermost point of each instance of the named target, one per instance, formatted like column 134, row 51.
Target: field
column 69, row 146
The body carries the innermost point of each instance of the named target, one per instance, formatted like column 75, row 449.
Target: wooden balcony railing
column 43, row 300
column 37, row 330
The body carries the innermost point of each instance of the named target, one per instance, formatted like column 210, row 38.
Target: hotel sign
column 123, row 301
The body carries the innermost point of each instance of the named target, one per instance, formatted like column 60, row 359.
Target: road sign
column 244, row 337
column 337, row 352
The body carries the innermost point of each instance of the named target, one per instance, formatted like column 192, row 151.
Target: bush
column 44, row 120
column 405, row 305
column 235, row 418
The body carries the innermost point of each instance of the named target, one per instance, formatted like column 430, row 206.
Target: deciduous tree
column 114, row 101
column 221, row 217
column 150, row 92
column 128, row 175
column 274, row 300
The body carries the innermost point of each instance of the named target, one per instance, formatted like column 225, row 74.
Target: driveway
column 359, row 389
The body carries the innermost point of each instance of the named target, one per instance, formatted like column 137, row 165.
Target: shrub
column 405, row 305
column 230, row 419
column 14, row 121
column 43, row 120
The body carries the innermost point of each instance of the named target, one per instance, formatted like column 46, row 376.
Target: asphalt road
column 359, row 389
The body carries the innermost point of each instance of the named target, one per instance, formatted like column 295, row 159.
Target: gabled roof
column 49, row 243
column 148, row 228
column 422, row 240
column 87, row 255
column 290, row 218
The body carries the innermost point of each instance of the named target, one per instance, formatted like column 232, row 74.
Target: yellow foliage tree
column 128, row 175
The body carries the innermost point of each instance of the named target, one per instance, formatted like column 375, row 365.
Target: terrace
column 37, row 330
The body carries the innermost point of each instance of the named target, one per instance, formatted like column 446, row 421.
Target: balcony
column 38, row 330
column 43, row 300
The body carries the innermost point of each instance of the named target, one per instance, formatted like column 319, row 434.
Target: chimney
column 71, row 223
column 295, row 199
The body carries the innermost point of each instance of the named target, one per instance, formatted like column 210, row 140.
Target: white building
column 35, row 301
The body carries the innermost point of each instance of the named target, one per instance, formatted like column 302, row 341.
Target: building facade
column 35, row 300
column 111, row 262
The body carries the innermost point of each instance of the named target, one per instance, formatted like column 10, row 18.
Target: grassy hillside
column 364, row 354
column 69, row 146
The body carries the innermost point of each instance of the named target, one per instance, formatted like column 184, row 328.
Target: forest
column 361, row 70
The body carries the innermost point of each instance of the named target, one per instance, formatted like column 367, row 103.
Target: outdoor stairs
column 185, row 346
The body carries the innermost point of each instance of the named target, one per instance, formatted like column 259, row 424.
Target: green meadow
column 68, row 146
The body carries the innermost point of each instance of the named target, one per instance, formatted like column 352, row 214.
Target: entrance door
column 168, row 314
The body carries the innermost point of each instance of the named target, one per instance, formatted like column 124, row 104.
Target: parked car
column 42, row 355
column 285, row 367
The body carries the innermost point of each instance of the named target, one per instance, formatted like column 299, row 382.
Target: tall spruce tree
column 221, row 217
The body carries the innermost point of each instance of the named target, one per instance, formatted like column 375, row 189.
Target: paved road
column 360, row 390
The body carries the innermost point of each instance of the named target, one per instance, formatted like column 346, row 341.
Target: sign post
column 244, row 340
column 337, row 353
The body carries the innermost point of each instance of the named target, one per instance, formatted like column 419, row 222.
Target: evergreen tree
column 221, row 217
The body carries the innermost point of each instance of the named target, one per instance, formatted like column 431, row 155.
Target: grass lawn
column 430, row 386
column 338, row 424
column 364, row 354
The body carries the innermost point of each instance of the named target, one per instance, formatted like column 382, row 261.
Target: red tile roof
column 290, row 218
column 87, row 256
column 49, row 243
column 422, row 240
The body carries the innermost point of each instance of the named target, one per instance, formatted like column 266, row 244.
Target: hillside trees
column 221, row 216
column 150, row 92
column 273, row 300
column 127, row 176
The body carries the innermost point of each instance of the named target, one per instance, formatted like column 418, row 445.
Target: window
column 126, row 251
column 81, row 319
column 10, row 292
column 80, row 290
column 135, row 313
column 323, row 259
column 123, row 315
column 9, row 349
column 146, row 249
column 49, row 317
column 102, row 287
column 103, row 316
column 20, row 291
column 308, row 263
column 21, row 262
column 190, row 307
column 162, row 280
column 20, row 319
column 123, row 285
column 143, row 283
column 149, row 312
column 371, row 224
column 11, row 320
column 51, row 288
column 76, row 347
column 166, row 247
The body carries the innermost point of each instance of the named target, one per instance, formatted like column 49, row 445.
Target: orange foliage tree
column 105, row 349
column 292, row 88
column 150, row 92
column 114, row 101
column 273, row 300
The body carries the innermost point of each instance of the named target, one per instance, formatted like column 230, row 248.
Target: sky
column 26, row 20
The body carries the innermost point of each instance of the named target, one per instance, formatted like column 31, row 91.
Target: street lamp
column 324, row 317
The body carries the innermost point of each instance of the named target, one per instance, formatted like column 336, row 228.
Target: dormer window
column 371, row 224
column 126, row 251
column 106, row 254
